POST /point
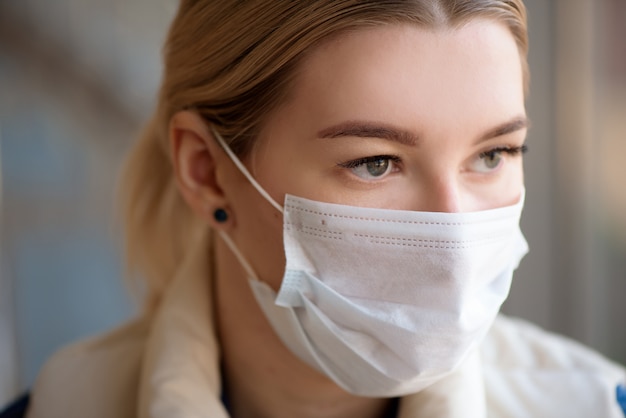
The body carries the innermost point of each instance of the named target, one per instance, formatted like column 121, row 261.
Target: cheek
column 261, row 233
column 258, row 233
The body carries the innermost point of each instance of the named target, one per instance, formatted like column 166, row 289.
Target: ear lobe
column 194, row 154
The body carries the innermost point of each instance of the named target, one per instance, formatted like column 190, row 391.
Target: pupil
column 378, row 167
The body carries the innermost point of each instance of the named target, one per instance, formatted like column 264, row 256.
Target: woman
column 326, row 211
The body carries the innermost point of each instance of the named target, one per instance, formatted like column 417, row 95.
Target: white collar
column 180, row 375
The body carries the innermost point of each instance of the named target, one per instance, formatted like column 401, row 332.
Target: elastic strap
column 245, row 171
column 244, row 263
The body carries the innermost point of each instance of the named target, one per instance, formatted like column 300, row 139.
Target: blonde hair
column 233, row 62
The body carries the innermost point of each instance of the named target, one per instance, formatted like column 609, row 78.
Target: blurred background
column 79, row 77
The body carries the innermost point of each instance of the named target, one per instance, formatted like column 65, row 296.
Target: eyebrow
column 516, row 124
column 369, row 130
column 380, row 130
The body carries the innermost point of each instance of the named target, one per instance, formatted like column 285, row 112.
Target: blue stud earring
column 220, row 215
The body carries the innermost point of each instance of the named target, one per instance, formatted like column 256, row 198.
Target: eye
column 489, row 161
column 372, row 168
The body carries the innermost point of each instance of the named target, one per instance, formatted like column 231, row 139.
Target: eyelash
column 508, row 150
column 522, row 149
column 365, row 160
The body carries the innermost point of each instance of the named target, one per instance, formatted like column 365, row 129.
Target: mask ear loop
column 244, row 263
column 245, row 171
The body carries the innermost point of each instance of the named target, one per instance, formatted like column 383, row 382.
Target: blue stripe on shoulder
column 620, row 395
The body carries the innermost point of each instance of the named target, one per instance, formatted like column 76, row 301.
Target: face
column 395, row 117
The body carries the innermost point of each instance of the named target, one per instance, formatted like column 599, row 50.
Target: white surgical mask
column 387, row 302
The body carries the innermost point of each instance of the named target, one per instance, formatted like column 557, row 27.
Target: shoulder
column 98, row 377
column 515, row 343
column 543, row 374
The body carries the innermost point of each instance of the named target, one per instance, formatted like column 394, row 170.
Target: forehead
column 405, row 74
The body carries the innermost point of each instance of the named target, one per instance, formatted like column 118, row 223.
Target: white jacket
column 167, row 366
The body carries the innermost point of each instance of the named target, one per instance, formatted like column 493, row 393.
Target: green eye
column 378, row 167
column 488, row 161
column 492, row 160
column 372, row 168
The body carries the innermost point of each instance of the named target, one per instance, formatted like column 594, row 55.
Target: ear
column 197, row 158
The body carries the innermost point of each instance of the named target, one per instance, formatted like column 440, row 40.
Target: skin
column 453, row 93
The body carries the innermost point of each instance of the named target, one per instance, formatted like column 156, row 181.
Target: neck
column 262, row 377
